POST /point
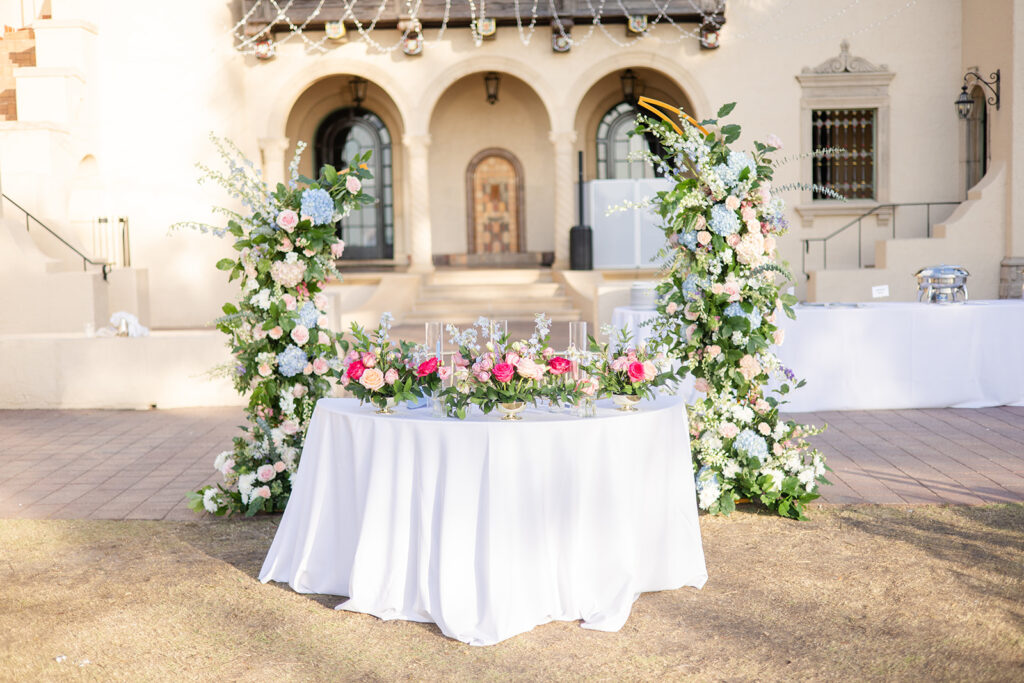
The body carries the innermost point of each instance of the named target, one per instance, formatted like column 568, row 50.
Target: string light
column 247, row 43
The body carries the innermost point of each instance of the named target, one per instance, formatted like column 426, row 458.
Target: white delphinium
column 287, row 402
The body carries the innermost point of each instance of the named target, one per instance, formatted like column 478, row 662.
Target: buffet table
column 489, row 528
column 879, row 356
column 887, row 356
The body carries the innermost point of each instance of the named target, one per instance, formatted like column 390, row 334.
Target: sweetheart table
column 488, row 528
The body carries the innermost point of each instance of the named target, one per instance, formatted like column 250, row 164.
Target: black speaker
column 581, row 248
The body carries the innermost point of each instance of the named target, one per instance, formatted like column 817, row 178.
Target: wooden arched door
column 494, row 203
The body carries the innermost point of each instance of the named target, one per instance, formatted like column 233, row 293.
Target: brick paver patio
column 101, row 464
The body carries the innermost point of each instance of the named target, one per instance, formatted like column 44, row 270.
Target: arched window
column 977, row 139
column 614, row 145
column 368, row 231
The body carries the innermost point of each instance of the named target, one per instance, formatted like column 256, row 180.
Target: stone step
column 489, row 276
column 532, row 290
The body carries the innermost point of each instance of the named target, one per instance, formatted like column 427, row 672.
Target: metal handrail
column 857, row 221
column 86, row 261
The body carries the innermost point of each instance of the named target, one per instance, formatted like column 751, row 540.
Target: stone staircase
column 461, row 296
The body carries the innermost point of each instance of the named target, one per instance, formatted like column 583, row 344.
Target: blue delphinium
column 724, row 220
column 318, row 205
column 291, row 361
column 689, row 240
column 751, row 444
column 736, row 311
column 308, row 315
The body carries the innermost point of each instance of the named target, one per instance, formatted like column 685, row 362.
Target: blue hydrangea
column 724, row 221
column 692, row 287
column 706, row 477
column 727, row 174
column 291, row 361
column 308, row 314
column 751, row 444
column 688, row 240
column 739, row 161
column 734, row 310
column 318, row 205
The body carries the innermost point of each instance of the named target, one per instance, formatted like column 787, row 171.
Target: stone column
column 565, row 193
column 417, row 210
column 273, row 151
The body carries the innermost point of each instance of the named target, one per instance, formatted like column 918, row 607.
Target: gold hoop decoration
column 651, row 105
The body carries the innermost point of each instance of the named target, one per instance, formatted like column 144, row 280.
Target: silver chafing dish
column 942, row 284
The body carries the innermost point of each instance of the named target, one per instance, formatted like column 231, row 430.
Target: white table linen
column 489, row 528
column 633, row 319
column 881, row 356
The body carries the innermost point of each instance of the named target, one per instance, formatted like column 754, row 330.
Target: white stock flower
column 211, row 500
column 245, row 485
column 218, row 462
column 730, row 469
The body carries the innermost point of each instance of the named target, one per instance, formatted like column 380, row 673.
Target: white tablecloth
column 489, row 528
column 633, row 319
column 906, row 355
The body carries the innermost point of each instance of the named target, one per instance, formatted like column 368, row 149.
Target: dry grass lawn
column 857, row 593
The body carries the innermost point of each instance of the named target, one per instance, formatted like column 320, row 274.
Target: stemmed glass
column 577, row 353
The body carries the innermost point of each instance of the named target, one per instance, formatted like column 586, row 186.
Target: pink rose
column 287, row 220
column 728, row 430
column 764, row 194
column 650, row 372
column 620, row 364
column 779, row 336
column 352, row 184
column 774, row 141
column 345, row 380
column 308, row 252
column 559, row 365
column 322, row 321
column 279, row 466
column 635, row 372
column 265, row 473
column 264, row 370
column 338, row 248
column 503, row 372
column 718, row 288
column 228, row 465
column 700, row 225
column 320, row 366
column 704, row 237
column 300, row 335
column 483, row 376
column 691, row 315
column 770, row 317
column 261, row 492
column 702, row 385
column 286, row 245
column 732, row 202
column 372, row 379
column 528, row 369
column 299, row 390
column 547, row 352
column 320, row 301
column 672, row 308
column 748, row 213
column 289, row 427
column 355, row 369
column 391, row 376
column 769, row 244
column 289, row 302
column 749, row 367
column 713, row 351
column 369, row 359
column 259, row 333
column 427, row 367
column 444, row 372
column 323, row 338
column 276, row 332
column 588, row 386
column 762, row 406
column 460, row 362
column 732, row 240
column 512, row 358
column 308, row 370
column 764, row 428
column 690, row 330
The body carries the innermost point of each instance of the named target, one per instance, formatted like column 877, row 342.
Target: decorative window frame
column 845, row 82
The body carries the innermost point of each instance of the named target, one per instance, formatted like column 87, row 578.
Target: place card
column 879, row 291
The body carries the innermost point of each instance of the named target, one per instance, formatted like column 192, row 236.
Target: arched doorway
column 368, row 231
column 976, row 159
column 494, row 199
column 614, row 146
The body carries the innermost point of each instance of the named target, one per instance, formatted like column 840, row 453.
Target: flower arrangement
column 720, row 297
column 277, row 330
column 382, row 372
column 623, row 369
column 520, row 371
